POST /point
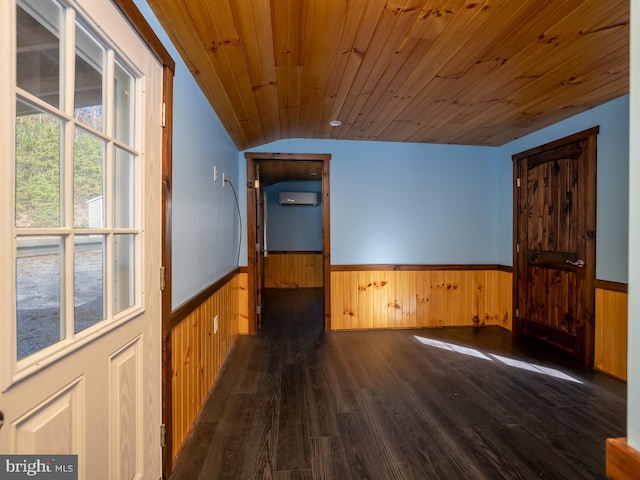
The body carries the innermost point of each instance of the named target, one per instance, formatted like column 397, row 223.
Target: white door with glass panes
column 80, row 236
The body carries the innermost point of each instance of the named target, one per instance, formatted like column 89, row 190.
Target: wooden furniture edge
column 623, row 461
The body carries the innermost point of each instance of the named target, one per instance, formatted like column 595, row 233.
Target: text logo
column 49, row 467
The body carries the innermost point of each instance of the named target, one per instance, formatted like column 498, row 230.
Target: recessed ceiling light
column 335, row 123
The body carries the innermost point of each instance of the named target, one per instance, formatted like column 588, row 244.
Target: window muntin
column 77, row 182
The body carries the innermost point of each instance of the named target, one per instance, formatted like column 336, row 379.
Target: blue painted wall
column 414, row 203
column 205, row 235
column 293, row 228
column 408, row 203
column 612, row 184
column 390, row 203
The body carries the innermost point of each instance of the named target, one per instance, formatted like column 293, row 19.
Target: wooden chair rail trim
column 623, row 461
column 294, row 252
column 505, row 268
column 198, row 299
column 390, row 267
column 612, row 286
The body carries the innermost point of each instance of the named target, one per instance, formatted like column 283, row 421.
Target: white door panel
column 72, row 384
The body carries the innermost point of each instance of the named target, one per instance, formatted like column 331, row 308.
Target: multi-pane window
column 77, row 180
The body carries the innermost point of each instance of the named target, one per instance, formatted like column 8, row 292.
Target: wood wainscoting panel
column 404, row 298
column 610, row 349
column 293, row 270
column 198, row 353
column 242, row 302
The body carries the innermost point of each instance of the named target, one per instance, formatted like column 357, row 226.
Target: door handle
column 578, row 263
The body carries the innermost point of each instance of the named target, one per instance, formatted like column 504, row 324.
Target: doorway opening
column 295, row 253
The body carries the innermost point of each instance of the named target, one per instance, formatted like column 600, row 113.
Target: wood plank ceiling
column 276, row 171
column 436, row 71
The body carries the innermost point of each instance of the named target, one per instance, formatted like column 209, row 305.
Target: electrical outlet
column 224, row 179
column 215, row 173
column 215, row 324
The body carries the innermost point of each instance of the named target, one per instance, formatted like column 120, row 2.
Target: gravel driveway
column 38, row 299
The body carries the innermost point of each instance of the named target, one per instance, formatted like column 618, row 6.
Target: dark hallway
column 295, row 402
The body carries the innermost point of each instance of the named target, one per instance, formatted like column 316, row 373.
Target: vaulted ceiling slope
column 436, row 71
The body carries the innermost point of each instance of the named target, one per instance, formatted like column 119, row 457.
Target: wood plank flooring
column 294, row 402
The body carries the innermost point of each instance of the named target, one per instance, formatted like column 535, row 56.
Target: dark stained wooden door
column 554, row 233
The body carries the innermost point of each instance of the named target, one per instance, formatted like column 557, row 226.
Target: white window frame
column 17, row 370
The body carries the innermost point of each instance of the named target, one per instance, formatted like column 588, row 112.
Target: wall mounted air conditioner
column 299, row 198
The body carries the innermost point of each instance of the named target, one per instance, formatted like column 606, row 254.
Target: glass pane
column 38, row 53
column 124, row 256
column 88, row 281
column 38, row 293
column 124, row 199
column 88, row 168
column 38, row 158
column 123, row 118
column 88, row 87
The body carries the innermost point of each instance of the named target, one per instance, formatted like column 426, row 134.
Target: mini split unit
column 309, row 199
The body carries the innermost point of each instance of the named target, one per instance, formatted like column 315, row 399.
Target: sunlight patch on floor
column 512, row 362
column 472, row 352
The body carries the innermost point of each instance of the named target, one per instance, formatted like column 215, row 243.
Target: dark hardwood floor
column 294, row 402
